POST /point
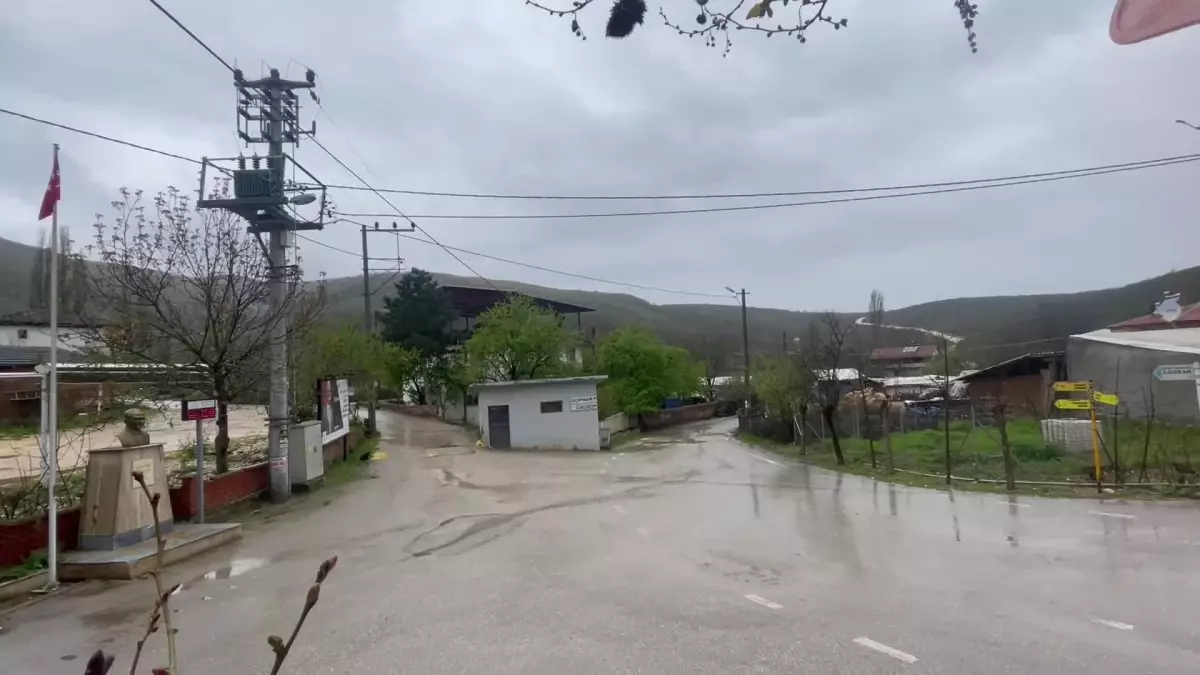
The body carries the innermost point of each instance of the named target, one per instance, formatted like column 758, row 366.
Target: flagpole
column 52, row 405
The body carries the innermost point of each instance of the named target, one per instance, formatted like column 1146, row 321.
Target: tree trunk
column 1010, row 466
column 827, row 411
column 803, row 430
column 221, row 445
column 867, row 429
column 885, row 418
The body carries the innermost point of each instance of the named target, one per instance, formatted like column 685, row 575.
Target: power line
column 758, row 207
column 561, row 272
column 341, row 250
column 1037, row 178
column 760, row 195
column 191, row 34
column 102, row 137
column 352, row 172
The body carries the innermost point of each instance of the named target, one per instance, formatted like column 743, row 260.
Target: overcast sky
column 498, row 97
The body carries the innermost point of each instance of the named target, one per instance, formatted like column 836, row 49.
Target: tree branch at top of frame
column 795, row 18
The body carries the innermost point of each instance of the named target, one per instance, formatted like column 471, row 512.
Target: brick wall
column 220, row 491
column 665, row 418
column 21, row 537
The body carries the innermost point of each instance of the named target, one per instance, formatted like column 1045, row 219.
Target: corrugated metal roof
column 1180, row 340
column 532, row 383
column 30, row 356
column 1189, row 317
column 41, row 318
column 1006, row 367
column 902, row 353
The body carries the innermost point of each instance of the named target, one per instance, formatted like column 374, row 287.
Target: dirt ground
column 21, row 456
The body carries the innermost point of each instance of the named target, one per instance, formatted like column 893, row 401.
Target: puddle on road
column 235, row 568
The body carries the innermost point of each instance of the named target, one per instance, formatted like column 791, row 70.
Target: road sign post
column 199, row 411
column 1087, row 404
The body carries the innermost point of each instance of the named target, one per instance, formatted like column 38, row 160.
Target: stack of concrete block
column 1071, row 435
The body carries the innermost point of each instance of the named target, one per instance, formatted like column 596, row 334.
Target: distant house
column 911, row 387
column 31, row 328
column 903, row 361
column 1121, row 359
column 1025, row 383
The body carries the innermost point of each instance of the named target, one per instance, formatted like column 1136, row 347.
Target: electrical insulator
column 256, row 161
column 241, row 160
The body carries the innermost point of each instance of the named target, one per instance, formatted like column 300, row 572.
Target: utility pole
column 369, row 315
column 745, row 347
column 946, row 402
column 268, row 113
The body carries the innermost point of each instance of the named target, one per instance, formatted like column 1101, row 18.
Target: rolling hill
column 994, row 327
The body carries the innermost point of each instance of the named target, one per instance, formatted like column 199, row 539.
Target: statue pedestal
column 115, row 511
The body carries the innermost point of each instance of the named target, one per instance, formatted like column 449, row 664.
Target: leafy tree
column 518, row 340
column 455, row 375
column 189, row 296
column 351, row 352
column 420, row 316
column 643, row 372
column 714, row 19
column 946, row 352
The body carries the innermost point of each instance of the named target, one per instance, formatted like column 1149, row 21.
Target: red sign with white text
column 199, row 410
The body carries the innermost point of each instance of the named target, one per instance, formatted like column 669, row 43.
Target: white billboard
column 334, row 409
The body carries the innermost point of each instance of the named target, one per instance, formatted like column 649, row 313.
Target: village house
column 902, row 361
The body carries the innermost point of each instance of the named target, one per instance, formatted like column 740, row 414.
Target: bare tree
column 863, row 360
column 72, row 281
column 716, row 19
column 834, row 331
column 184, row 294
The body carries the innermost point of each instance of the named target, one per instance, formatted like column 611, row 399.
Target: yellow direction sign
column 1072, row 386
column 1106, row 399
column 1073, row 404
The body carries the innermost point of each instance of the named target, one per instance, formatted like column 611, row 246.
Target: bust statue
column 134, row 433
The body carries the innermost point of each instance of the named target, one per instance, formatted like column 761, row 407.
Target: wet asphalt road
column 701, row 556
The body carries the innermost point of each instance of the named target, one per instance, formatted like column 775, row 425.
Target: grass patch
column 343, row 472
column 975, row 455
column 36, row 562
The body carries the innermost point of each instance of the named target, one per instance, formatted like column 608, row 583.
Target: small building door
column 498, row 430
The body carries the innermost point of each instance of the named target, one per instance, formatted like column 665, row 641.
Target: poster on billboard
column 334, row 408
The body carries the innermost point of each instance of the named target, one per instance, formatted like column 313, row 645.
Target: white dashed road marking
column 768, row 461
column 643, row 531
column 763, row 601
column 1106, row 514
column 882, row 648
column 1113, row 624
column 1008, row 503
column 619, row 509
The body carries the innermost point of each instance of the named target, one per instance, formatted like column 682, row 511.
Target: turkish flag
column 1138, row 20
column 53, row 191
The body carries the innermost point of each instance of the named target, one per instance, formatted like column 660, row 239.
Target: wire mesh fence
column 972, row 448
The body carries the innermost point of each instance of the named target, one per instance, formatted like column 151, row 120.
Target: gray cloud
column 498, row 97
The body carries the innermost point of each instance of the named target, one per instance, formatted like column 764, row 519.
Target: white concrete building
column 551, row 414
column 31, row 328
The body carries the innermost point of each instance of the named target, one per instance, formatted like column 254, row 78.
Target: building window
column 22, row 333
column 551, row 406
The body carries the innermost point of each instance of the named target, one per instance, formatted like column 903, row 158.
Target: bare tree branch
column 189, row 294
column 715, row 24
